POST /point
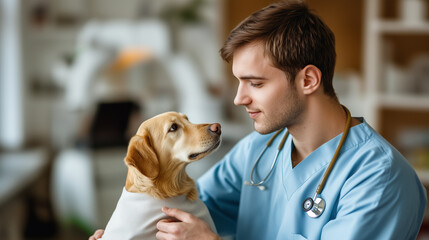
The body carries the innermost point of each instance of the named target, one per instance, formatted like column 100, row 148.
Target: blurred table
column 19, row 170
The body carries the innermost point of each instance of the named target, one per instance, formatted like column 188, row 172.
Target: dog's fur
column 159, row 153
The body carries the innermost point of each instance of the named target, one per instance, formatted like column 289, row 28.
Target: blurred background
column 78, row 77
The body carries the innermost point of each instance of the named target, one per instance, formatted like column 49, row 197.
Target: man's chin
column 263, row 129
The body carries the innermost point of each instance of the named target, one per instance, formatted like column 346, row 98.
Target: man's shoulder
column 365, row 138
column 373, row 153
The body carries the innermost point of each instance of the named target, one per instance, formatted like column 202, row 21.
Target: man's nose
column 242, row 97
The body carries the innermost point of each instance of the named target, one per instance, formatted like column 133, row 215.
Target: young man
column 283, row 57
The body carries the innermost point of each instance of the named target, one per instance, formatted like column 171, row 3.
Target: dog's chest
column 137, row 214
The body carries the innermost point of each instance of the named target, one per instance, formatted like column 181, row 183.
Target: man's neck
column 321, row 122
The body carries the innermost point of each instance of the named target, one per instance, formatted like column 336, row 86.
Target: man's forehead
column 250, row 63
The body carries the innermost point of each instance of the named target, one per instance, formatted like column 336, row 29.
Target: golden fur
column 158, row 154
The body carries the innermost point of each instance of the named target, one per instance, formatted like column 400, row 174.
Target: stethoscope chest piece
column 314, row 208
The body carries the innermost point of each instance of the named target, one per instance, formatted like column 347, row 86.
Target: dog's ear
column 142, row 156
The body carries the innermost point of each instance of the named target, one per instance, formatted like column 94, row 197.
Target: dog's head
column 168, row 141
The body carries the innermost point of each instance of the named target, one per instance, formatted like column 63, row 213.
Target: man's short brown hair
column 293, row 36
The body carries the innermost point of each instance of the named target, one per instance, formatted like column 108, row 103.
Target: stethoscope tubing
column 280, row 147
column 336, row 154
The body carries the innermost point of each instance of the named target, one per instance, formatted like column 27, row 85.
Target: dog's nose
column 215, row 128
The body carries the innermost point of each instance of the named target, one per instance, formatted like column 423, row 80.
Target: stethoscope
column 314, row 206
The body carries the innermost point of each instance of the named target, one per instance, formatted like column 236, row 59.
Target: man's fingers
column 178, row 214
column 168, row 226
column 98, row 234
column 187, row 227
column 168, row 220
column 163, row 235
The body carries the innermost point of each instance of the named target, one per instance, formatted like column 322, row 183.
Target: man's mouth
column 253, row 114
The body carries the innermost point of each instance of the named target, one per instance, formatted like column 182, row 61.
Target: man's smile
column 253, row 114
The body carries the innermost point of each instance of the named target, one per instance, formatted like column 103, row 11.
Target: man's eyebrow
column 247, row 77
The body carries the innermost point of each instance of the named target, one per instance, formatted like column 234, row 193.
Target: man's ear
column 142, row 156
column 311, row 79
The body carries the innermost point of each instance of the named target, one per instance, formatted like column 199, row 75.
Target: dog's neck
column 172, row 181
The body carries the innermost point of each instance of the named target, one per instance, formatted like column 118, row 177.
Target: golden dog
column 156, row 159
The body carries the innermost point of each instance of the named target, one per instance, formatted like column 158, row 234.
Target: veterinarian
column 325, row 175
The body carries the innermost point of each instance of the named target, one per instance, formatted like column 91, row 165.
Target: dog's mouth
column 194, row 156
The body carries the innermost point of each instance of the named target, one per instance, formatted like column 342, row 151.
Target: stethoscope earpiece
column 261, row 187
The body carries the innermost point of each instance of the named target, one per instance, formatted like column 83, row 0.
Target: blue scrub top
column 371, row 193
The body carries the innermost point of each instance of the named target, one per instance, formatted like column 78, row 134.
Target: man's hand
column 188, row 227
column 98, row 234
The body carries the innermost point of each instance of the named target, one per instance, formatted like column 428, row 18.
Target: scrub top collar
column 319, row 159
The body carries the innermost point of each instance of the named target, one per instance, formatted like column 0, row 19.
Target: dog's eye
column 173, row 127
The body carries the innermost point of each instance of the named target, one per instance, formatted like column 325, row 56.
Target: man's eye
column 173, row 128
column 255, row 84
